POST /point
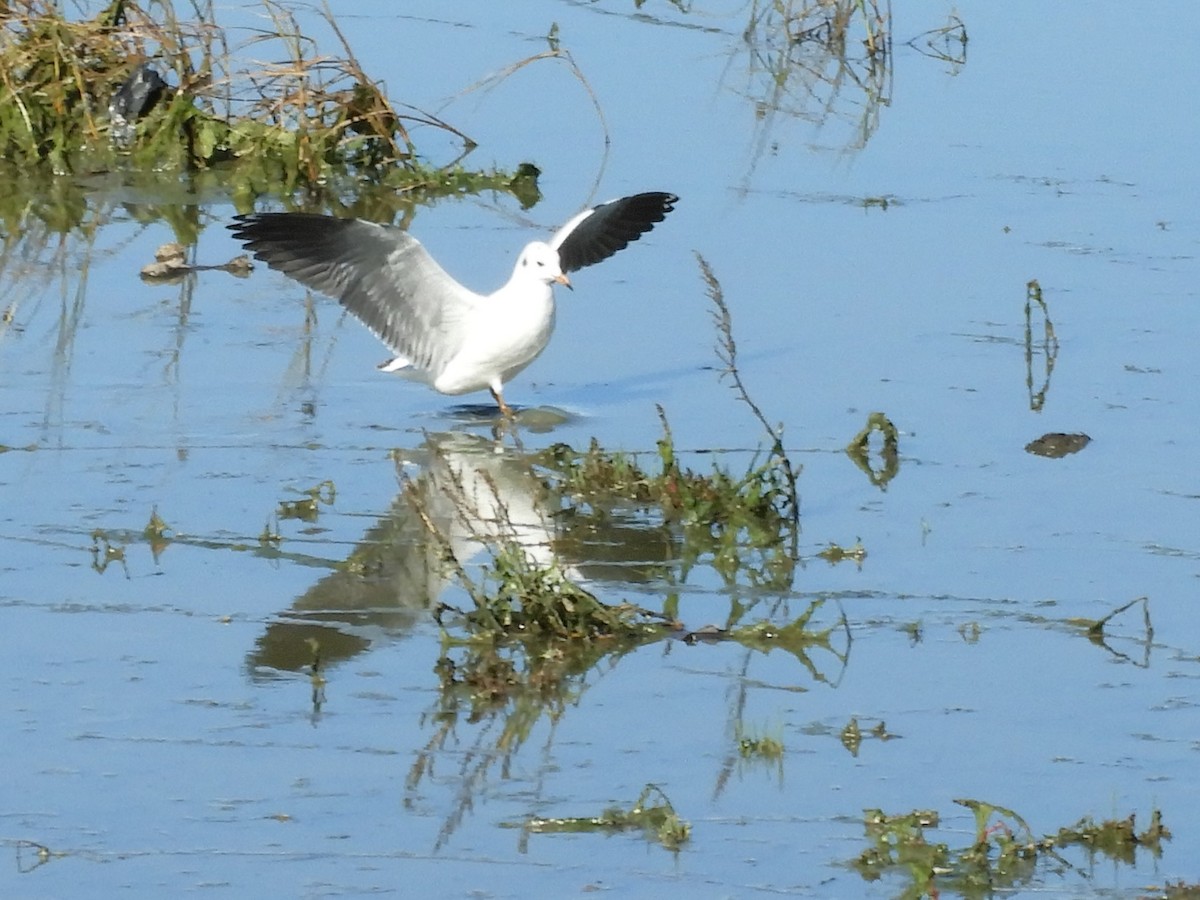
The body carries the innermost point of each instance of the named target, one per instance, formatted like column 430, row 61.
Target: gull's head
column 539, row 262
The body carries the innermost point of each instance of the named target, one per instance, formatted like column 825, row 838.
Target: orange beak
column 565, row 281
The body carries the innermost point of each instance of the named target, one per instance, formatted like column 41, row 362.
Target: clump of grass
column 1117, row 839
column 1005, row 853
column 540, row 601
column 310, row 120
column 743, row 524
column 746, row 525
column 519, row 594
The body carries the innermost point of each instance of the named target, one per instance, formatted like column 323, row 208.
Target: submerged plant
column 859, row 450
column 1004, row 854
column 658, row 820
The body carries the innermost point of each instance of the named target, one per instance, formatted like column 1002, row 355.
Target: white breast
column 508, row 332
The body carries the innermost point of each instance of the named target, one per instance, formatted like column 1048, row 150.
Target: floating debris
column 1056, row 444
column 170, row 264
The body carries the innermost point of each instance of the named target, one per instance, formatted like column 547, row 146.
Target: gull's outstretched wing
column 596, row 234
column 378, row 272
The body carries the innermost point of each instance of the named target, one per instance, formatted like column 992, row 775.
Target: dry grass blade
column 727, row 353
column 555, row 52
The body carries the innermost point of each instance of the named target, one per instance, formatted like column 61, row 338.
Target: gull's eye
column 541, row 262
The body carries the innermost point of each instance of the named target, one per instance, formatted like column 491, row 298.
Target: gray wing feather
column 378, row 272
column 596, row 234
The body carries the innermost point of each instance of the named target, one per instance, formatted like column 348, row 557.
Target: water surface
column 162, row 730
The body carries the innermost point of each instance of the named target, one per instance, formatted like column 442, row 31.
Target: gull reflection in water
column 469, row 491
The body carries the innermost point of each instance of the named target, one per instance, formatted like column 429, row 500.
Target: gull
column 443, row 334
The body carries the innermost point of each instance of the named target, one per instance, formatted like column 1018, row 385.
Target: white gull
column 442, row 333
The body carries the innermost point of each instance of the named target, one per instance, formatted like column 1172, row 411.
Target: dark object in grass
column 133, row 99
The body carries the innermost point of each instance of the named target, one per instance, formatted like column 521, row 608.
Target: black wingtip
column 652, row 206
column 245, row 225
column 613, row 226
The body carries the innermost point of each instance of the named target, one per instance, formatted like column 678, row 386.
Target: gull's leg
column 505, row 409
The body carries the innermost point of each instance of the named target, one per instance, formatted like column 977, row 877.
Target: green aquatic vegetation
column 1117, row 839
column 755, row 751
column 105, row 552
column 312, row 119
column 517, row 594
column 515, row 685
column 658, row 821
column 1095, row 627
column 851, row 736
column 970, row 632
column 598, row 476
column 836, row 553
column 764, row 635
column 1005, row 853
column 157, row 534
column 744, row 524
column 530, row 600
column 796, row 637
column 269, row 537
column 898, row 845
column 859, row 450
column 753, row 746
column 1097, row 630
column 308, row 508
column 492, row 695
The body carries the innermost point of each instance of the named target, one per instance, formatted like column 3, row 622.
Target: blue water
column 160, row 727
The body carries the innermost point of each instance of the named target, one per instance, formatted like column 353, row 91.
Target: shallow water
column 162, row 729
